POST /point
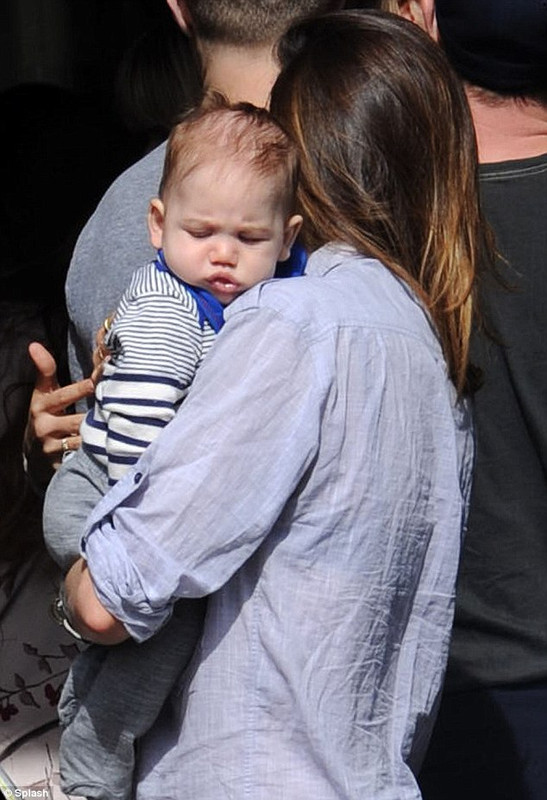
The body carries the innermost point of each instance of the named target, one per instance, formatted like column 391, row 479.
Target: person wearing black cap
column 490, row 741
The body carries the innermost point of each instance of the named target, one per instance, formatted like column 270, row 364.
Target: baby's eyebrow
column 198, row 221
column 265, row 229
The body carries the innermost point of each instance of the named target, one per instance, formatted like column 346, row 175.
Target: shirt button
column 137, row 477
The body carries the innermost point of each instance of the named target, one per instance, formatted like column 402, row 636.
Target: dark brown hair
column 388, row 158
column 159, row 78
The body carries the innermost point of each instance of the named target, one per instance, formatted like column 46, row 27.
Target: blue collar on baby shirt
column 209, row 307
column 294, row 265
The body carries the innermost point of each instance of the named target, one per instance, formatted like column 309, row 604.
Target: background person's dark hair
column 61, row 149
column 389, row 160
column 20, row 505
column 159, row 78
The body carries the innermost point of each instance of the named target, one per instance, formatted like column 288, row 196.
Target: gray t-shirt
column 113, row 244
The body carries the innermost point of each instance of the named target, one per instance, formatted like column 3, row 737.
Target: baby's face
column 223, row 228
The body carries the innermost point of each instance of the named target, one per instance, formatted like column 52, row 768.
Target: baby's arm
column 157, row 346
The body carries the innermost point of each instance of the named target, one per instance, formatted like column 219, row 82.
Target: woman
column 315, row 483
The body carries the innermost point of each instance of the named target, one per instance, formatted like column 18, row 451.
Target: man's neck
column 508, row 130
column 239, row 74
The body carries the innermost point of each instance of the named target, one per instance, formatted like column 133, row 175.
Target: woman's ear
column 292, row 229
column 156, row 218
column 182, row 16
column 422, row 13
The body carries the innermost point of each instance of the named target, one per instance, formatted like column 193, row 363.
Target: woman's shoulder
column 342, row 288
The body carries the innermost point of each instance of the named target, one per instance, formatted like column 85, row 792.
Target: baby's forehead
column 210, row 167
column 209, row 176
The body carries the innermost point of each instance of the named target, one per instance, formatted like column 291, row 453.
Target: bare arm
column 87, row 615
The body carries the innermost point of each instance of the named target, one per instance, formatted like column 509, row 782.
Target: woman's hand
column 50, row 430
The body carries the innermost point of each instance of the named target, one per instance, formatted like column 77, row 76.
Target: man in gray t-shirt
column 238, row 56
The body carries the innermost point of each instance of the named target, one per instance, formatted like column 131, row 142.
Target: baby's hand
column 101, row 354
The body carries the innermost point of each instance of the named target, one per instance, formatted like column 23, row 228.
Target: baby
column 222, row 222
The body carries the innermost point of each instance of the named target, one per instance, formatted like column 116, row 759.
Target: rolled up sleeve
column 208, row 491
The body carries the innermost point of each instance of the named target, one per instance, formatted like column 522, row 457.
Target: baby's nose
column 224, row 251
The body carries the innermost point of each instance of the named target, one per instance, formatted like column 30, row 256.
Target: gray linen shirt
column 315, row 484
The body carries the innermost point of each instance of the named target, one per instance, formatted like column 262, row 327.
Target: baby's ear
column 156, row 217
column 292, row 229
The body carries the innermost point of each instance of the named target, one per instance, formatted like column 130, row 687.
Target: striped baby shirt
column 161, row 331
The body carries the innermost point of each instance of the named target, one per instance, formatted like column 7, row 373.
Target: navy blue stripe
column 126, row 402
column 95, row 449
column 130, row 460
column 95, row 423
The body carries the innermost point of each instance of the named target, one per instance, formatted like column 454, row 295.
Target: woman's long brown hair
column 389, row 161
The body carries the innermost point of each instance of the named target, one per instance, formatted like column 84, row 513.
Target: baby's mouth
column 223, row 283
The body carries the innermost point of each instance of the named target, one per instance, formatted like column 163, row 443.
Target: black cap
column 500, row 45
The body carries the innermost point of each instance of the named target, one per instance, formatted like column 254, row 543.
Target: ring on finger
column 65, row 445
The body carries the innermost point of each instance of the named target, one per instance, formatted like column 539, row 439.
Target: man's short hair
column 250, row 22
